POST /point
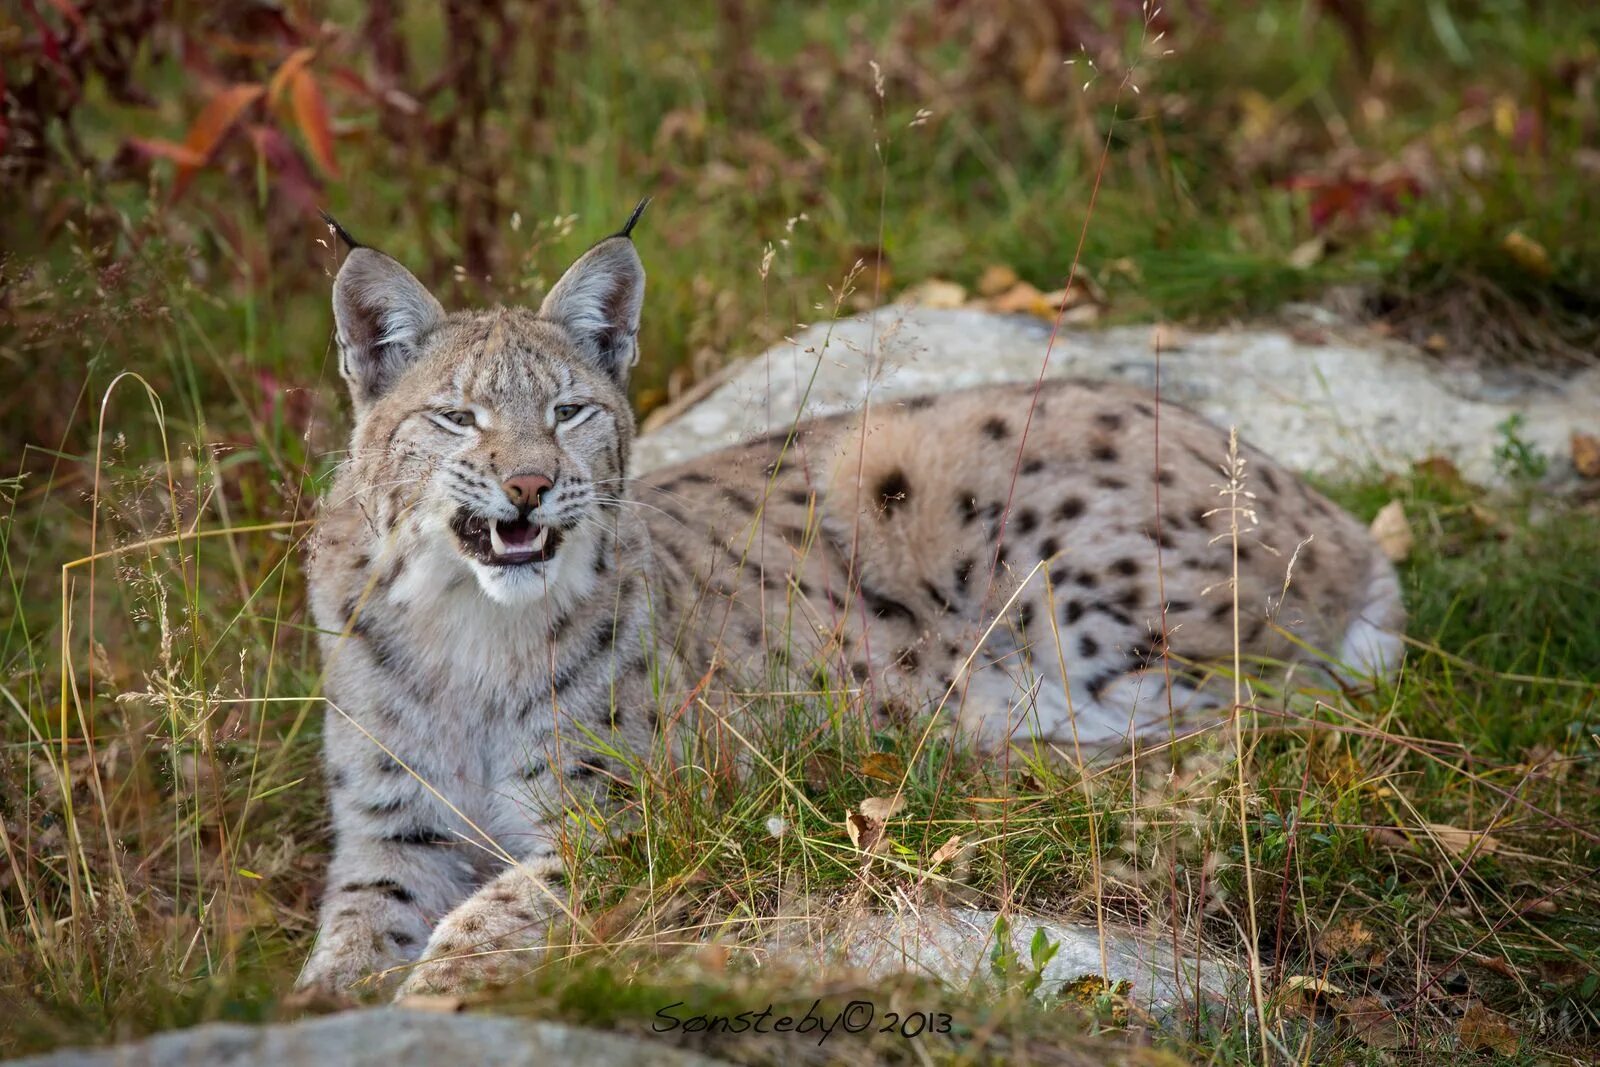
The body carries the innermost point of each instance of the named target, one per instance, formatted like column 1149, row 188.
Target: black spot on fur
column 802, row 497
column 1088, row 647
column 1308, row 560
column 918, row 403
column 1103, row 452
column 1086, row 580
column 937, row 596
column 964, row 567
column 1032, row 465
column 1108, row 420
column 1027, row 521
column 401, row 938
column 967, row 505
column 1197, row 515
column 688, row 478
column 1176, row 606
column 1164, row 477
column 739, row 498
column 421, row 836
column 1144, row 409
column 907, row 659
column 995, row 428
column 384, row 807
column 858, row 670
column 886, row 607
column 893, row 491
column 387, row 886
column 1268, row 480
column 1049, row 547
column 1107, row 482
column 536, row 769
column 1125, row 567
column 1069, row 509
column 387, row 764
column 1058, row 575
column 1220, row 611
column 1072, row 612
column 1025, row 616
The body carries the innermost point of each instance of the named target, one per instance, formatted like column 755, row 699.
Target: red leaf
column 287, row 70
column 155, row 148
column 311, row 114
column 215, row 120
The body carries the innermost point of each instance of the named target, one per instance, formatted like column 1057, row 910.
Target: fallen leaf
column 1461, row 842
column 1309, row 987
column 1586, row 454
column 884, row 766
column 864, row 833
column 1392, row 530
column 1370, row 1023
column 996, row 279
column 1481, row 1029
column 1021, row 298
column 945, row 852
column 882, row 809
column 1440, row 469
column 934, row 293
column 1344, row 938
column 1529, row 254
column 1308, row 254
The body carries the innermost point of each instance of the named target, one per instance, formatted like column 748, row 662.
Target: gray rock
column 380, row 1037
column 1352, row 403
column 954, row 945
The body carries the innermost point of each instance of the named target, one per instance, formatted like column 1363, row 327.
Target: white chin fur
column 566, row 577
column 518, row 585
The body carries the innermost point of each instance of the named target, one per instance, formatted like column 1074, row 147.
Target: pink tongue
column 518, row 534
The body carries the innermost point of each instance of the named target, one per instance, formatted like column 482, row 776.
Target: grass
column 161, row 803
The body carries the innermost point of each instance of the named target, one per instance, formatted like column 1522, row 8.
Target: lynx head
column 487, row 442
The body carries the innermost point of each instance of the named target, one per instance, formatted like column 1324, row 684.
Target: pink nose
column 524, row 490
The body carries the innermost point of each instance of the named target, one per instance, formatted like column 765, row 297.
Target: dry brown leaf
column 945, row 852
column 934, row 293
column 1304, row 987
column 884, row 766
column 1586, row 454
column 1308, row 254
column 1370, row 1023
column 1529, row 254
column 1440, row 469
column 1392, row 530
column 1021, row 298
column 864, row 833
column 1481, row 1029
column 1461, row 842
column 996, row 279
column 882, row 809
column 1344, row 938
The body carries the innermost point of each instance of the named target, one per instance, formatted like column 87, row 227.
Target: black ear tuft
column 633, row 220
column 339, row 231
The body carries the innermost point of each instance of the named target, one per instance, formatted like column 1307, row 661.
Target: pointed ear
column 382, row 313
column 598, row 302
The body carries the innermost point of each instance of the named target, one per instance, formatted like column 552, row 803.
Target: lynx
column 504, row 616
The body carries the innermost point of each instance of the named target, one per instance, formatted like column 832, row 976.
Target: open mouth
column 505, row 542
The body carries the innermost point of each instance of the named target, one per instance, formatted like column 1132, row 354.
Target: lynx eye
column 568, row 412
column 459, row 418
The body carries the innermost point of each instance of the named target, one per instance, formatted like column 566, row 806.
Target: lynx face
column 491, row 443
